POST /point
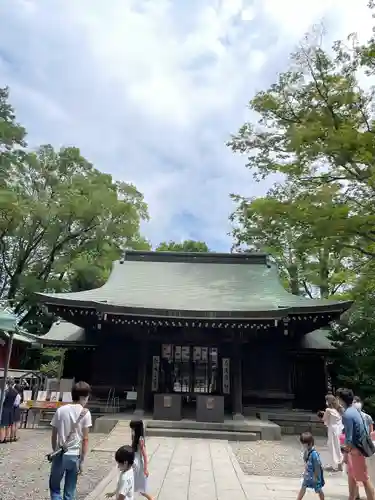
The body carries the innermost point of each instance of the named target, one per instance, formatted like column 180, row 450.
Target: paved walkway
column 198, row 469
column 118, row 436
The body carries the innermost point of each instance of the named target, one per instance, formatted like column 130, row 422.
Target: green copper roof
column 9, row 324
column 62, row 332
column 187, row 285
column 24, row 337
column 318, row 339
column 8, row 321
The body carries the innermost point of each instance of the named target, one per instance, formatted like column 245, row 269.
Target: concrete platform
column 249, row 429
column 290, row 421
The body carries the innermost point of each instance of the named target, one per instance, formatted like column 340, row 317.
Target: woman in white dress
column 332, row 419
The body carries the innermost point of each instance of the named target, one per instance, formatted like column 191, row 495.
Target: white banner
column 197, row 353
column 155, row 373
column 226, row 375
column 177, row 353
column 204, row 353
column 185, row 353
column 166, row 351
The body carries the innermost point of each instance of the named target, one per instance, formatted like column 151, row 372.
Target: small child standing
column 124, row 457
column 141, row 458
column 313, row 476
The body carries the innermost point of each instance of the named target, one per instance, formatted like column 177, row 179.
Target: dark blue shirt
column 354, row 426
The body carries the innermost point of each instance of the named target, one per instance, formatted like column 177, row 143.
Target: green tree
column 12, row 135
column 316, row 133
column 185, row 246
column 70, row 213
column 52, row 369
column 92, row 268
column 354, row 363
column 316, row 129
column 12, row 143
column 289, row 223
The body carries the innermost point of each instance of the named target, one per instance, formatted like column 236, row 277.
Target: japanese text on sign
column 155, row 373
column 226, row 375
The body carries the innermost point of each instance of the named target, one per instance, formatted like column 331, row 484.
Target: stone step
column 227, row 426
column 296, row 428
column 202, row 434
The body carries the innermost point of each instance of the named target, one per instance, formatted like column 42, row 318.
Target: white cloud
column 151, row 89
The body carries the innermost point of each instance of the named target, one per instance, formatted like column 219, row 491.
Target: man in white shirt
column 70, row 430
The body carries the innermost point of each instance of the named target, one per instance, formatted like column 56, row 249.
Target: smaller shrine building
column 193, row 325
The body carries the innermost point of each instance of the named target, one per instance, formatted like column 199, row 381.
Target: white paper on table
column 42, row 396
column 54, row 397
column 67, row 397
column 27, row 395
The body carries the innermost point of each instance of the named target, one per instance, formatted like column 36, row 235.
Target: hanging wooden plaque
column 210, row 403
column 226, row 375
column 155, row 373
column 167, row 402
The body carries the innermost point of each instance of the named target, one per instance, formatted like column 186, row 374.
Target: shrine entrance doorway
column 190, row 371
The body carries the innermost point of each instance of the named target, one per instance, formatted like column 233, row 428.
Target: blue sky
column 150, row 90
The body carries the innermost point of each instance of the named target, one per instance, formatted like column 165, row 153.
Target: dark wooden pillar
column 290, row 373
column 327, row 376
column 236, row 367
column 142, row 374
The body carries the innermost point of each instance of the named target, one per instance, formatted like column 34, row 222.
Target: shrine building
column 202, row 333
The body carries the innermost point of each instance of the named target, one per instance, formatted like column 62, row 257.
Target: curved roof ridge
column 195, row 257
column 227, row 285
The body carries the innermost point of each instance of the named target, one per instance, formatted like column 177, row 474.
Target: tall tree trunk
column 293, row 279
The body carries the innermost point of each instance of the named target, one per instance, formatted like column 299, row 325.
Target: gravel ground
column 275, row 458
column 24, row 471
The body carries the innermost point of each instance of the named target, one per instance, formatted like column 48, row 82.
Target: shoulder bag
column 365, row 444
column 62, row 449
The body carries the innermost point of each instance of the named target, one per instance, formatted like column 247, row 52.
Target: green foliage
column 62, row 221
column 354, row 339
column 185, row 246
column 51, row 369
column 316, row 129
column 12, row 137
column 316, row 132
column 291, row 224
column 52, row 360
column 52, row 353
column 34, row 358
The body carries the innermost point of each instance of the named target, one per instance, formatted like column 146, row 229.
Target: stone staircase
column 261, row 423
column 228, row 430
column 291, row 422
